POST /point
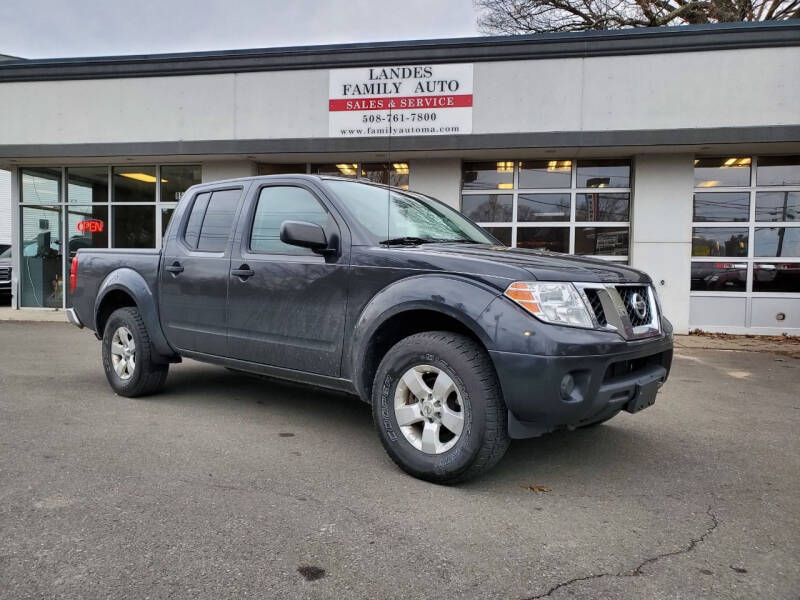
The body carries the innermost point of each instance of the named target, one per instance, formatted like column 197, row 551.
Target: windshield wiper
column 458, row 241
column 408, row 240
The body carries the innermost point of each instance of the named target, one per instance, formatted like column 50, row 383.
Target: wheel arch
column 400, row 310
column 127, row 288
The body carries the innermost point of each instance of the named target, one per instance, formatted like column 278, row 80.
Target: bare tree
column 538, row 16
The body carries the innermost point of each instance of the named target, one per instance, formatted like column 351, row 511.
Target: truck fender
column 420, row 292
column 133, row 284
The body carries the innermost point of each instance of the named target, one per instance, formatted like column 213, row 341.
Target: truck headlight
column 557, row 303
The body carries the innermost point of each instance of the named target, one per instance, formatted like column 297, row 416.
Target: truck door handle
column 244, row 271
column 175, row 268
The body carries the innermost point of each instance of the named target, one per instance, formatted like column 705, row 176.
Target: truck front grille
column 5, row 273
column 597, row 306
column 637, row 304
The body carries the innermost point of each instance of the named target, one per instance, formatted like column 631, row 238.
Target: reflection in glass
column 41, row 278
column 501, row 233
column 604, row 173
column 134, row 184
column 41, row 185
column 777, row 241
column 777, row 206
column 218, row 220
column 776, row 277
column 277, row 204
column 487, row 207
column 543, row 207
column 778, row 170
column 555, row 239
column 343, row 169
column 540, row 174
column 394, row 174
column 602, row 241
column 728, row 171
column 176, row 179
column 601, row 207
column 719, row 276
column 719, row 241
column 725, row 206
column 134, row 226
column 488, row 175
column 86, row 185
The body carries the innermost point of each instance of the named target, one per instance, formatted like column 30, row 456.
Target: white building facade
column 675, row 150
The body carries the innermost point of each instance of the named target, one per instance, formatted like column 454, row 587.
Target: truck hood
column 541, row 264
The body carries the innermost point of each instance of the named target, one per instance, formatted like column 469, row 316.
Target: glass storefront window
column 543, row 207
column 134, row 184
column 541, row 174
column 777, row 241
column 719, row 276
column 344, row 169
column 497, row 175
column 602, row 207
column 776, row 277
column 727, row 171
column 166, row 217
column 555, row 239
column 176, row 179
column 41, row 280
column 501, row 233
column 721, row 206
column 719, row 241
column 134, row 226
column 777, row 206
column 778, row 170
column 488, row 207
column 41, row 185
column 87, row 185
column 603, row 174
column 601, row 241
column 394, row 174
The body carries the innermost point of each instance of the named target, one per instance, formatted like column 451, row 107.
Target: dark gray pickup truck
column 458, row 342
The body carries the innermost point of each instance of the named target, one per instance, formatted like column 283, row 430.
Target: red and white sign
column 400, row 100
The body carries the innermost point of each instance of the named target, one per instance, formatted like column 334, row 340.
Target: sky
column 59, row 28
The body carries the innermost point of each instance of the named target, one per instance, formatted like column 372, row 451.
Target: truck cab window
column 277, row 204
column 211, row 219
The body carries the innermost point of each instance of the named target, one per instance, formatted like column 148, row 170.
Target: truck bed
column 94, row 267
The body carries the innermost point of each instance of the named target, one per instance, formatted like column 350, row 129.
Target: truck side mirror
column 305, row 235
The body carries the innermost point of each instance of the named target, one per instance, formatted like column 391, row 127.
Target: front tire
column 128, row 356
column 438, row 408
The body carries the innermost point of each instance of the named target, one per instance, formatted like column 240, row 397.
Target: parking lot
column 231, row 486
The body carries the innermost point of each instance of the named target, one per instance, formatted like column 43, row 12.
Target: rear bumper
column 72, row 317
column 544, row 393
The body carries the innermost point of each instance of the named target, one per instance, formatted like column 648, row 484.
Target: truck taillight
column 73, row 274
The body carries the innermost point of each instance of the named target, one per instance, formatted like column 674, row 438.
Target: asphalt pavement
column 226, row 486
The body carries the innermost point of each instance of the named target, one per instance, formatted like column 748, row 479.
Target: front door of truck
column 286, row 304
column 195, row 272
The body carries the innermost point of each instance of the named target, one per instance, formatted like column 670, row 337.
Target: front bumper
column 544, row 393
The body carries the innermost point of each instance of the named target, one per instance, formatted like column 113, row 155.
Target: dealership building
column 675, row 150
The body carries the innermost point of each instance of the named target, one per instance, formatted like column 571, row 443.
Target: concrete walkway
column 47, row 315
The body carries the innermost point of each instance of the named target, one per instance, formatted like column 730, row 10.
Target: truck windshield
column 411, row 217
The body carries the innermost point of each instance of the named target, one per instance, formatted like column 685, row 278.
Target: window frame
column 750, row 225
column 572, row 224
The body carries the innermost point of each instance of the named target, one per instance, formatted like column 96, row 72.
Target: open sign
column 90, row 225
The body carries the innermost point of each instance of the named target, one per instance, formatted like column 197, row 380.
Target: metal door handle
column 244, row 271
column 174, row 268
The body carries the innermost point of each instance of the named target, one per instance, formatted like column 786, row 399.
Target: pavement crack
column 638, row 570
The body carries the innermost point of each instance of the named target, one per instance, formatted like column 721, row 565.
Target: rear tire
column 443, row 388
column 128, row 356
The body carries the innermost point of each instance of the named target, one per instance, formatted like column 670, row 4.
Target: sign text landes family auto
column 400, row 100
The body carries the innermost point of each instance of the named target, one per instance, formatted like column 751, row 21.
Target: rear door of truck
column 195, row 271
